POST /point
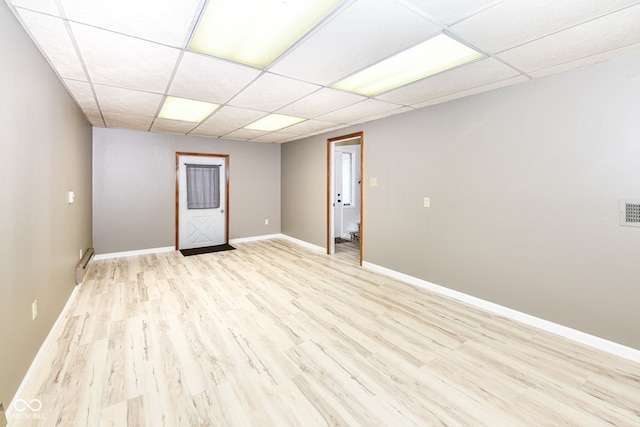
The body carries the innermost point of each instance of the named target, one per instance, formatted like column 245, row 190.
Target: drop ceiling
column 120, row 59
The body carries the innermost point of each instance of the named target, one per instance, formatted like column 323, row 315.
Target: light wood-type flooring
column 272, row 334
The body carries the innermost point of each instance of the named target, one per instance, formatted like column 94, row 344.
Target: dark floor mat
column 206, row 250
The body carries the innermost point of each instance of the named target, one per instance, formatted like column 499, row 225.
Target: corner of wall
column 3, row 417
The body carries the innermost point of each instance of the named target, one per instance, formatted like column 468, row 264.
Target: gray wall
column 524, row 182
column 46, row 151
column 304, row 190
column 134, row 187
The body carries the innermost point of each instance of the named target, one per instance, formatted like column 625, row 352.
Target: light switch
column 373, row 182
column 71, row 197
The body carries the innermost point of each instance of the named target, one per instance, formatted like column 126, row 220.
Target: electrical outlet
column 427, row 202
column 266, row 222
column 34, row 309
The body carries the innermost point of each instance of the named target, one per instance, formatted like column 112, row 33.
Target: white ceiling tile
column 127, row 101
column 208, row 131
column 173, row 126
column 53, row 38
column 227, row 119
column 366, row 32
column 310, row 126
column 382, row 115
column 94, row 117
column 594, row 37
column 162, row 21
column 210, row 79
column 475, row 90
column 590, row 60
column 270, row 92
column 82, row 93
column 232, row 118
column 124, row 61
column 45, row 6
column 276, row 137
column 450, row 11
column 127, row 121
column 359, row 111
column 321, row 102
column 458, row 79
column 245, row 134
column 514, row 22
column 119, row 57
column 211, row 130
column 326, row 130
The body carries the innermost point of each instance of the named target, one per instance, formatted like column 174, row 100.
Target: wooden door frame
column 226, row 207
column 330, row 142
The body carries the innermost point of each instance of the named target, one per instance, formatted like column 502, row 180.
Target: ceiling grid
column 120, row 60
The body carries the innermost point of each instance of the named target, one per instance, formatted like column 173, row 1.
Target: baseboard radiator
column 83, row 265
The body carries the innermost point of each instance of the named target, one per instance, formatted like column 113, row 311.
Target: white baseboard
column 172, row 248
column 563, row 331
column 573, row 334
column 46, row 344
column 307, row 245
column 255, row 238
column 134, row 253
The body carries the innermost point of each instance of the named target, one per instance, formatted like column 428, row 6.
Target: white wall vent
column 630, row 213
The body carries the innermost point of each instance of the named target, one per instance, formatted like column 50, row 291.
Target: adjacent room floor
column 272, row 334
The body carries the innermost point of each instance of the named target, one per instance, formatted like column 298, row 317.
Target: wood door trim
column 177, row 195
column 329, row 172
column 328, row 201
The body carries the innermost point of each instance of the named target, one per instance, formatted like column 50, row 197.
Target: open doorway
column 345, row 169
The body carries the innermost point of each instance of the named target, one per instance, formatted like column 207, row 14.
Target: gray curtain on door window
column 203, row 186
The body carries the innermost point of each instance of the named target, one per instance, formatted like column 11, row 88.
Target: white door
column 202, row 201
column 337, row 194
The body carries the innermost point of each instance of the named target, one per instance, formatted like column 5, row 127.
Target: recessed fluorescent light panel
column 186, row 110
column 256, row 32
column 274, row 122
column 431, row 57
